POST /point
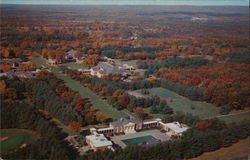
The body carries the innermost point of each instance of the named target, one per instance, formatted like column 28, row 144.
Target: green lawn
column 235, row 118
column 38, row 61
column 85, row 92
column 73, row 65
column 12, row 139
column 180, row 103
column 120, row 63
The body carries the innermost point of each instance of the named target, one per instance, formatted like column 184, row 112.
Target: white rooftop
column 177, row 127
column 99, row 140
column 104, row 129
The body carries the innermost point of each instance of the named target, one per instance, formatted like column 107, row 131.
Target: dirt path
column 232, row 114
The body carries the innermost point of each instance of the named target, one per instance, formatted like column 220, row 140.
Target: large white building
column 124, row 125
column 104, row 68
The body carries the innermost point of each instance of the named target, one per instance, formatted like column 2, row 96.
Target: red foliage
column 75, row 126
column 124, row 100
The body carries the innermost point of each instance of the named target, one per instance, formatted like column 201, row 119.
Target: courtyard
column 119, row 139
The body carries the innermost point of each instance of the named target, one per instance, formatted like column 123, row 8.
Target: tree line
column 177, row 63
column 51, row 143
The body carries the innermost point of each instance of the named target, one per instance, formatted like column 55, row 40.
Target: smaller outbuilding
column 174, row 129
column 98, row 142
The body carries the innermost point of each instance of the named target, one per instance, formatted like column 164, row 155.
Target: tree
column 90, row 117
column 2, row 86
column 202, row 125
column 100, row 116
column 91, row 60
column 153, row 109
column 117, row 93
column 140, row 112
column 111, row 100
column 123, row 100
column 5, row 67
column 167, row 110
column 75, row 126
column 10, row 94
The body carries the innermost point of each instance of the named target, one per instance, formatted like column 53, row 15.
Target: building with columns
column 98, row 141
column 126, row 125
column 131, row 125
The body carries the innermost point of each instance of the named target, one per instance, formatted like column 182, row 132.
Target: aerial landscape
column 142, row 80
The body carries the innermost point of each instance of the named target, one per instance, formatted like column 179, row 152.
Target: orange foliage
column 117, row 93
column 75, row 126
column 2, row 86
column 27, row 66
column 5, row 67
column 91, row 60
column 202, row 125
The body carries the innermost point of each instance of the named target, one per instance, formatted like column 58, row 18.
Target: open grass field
column 180, row 103
column 73, row 65
column 235, row 118
column 120, row 63
column 238, row 151
column 12, row 139
column 38, row 61
column 85, row 92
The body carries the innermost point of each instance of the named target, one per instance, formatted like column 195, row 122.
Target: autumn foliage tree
column 91, row 60
column 2, row 86
column 140, row 112
column 117, row 93
column 27, row 66
column 100, row 116
column 203, row 125
column 123, row 100
column 75, row 126
column 5, row 67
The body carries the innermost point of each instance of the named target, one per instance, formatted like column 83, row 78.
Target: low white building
column 128, row 67
column 51, row 61
column 174, row 129
column 98, row 142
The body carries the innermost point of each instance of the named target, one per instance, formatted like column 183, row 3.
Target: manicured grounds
column 180, row 103
column 235, row 118
column 85, row 92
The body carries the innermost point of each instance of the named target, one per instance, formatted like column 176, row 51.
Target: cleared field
column 234, row 118
column 38, row 61
column 120, row 63
column 180, row 103
column 73, row 65
column 238, row 151
column 85, row 92
column 12, row 139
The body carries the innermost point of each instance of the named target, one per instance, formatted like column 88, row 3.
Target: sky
column 133, row 2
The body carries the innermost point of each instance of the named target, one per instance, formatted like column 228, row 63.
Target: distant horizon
column 130, row 2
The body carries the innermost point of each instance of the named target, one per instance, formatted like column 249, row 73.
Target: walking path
column 231, row 114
